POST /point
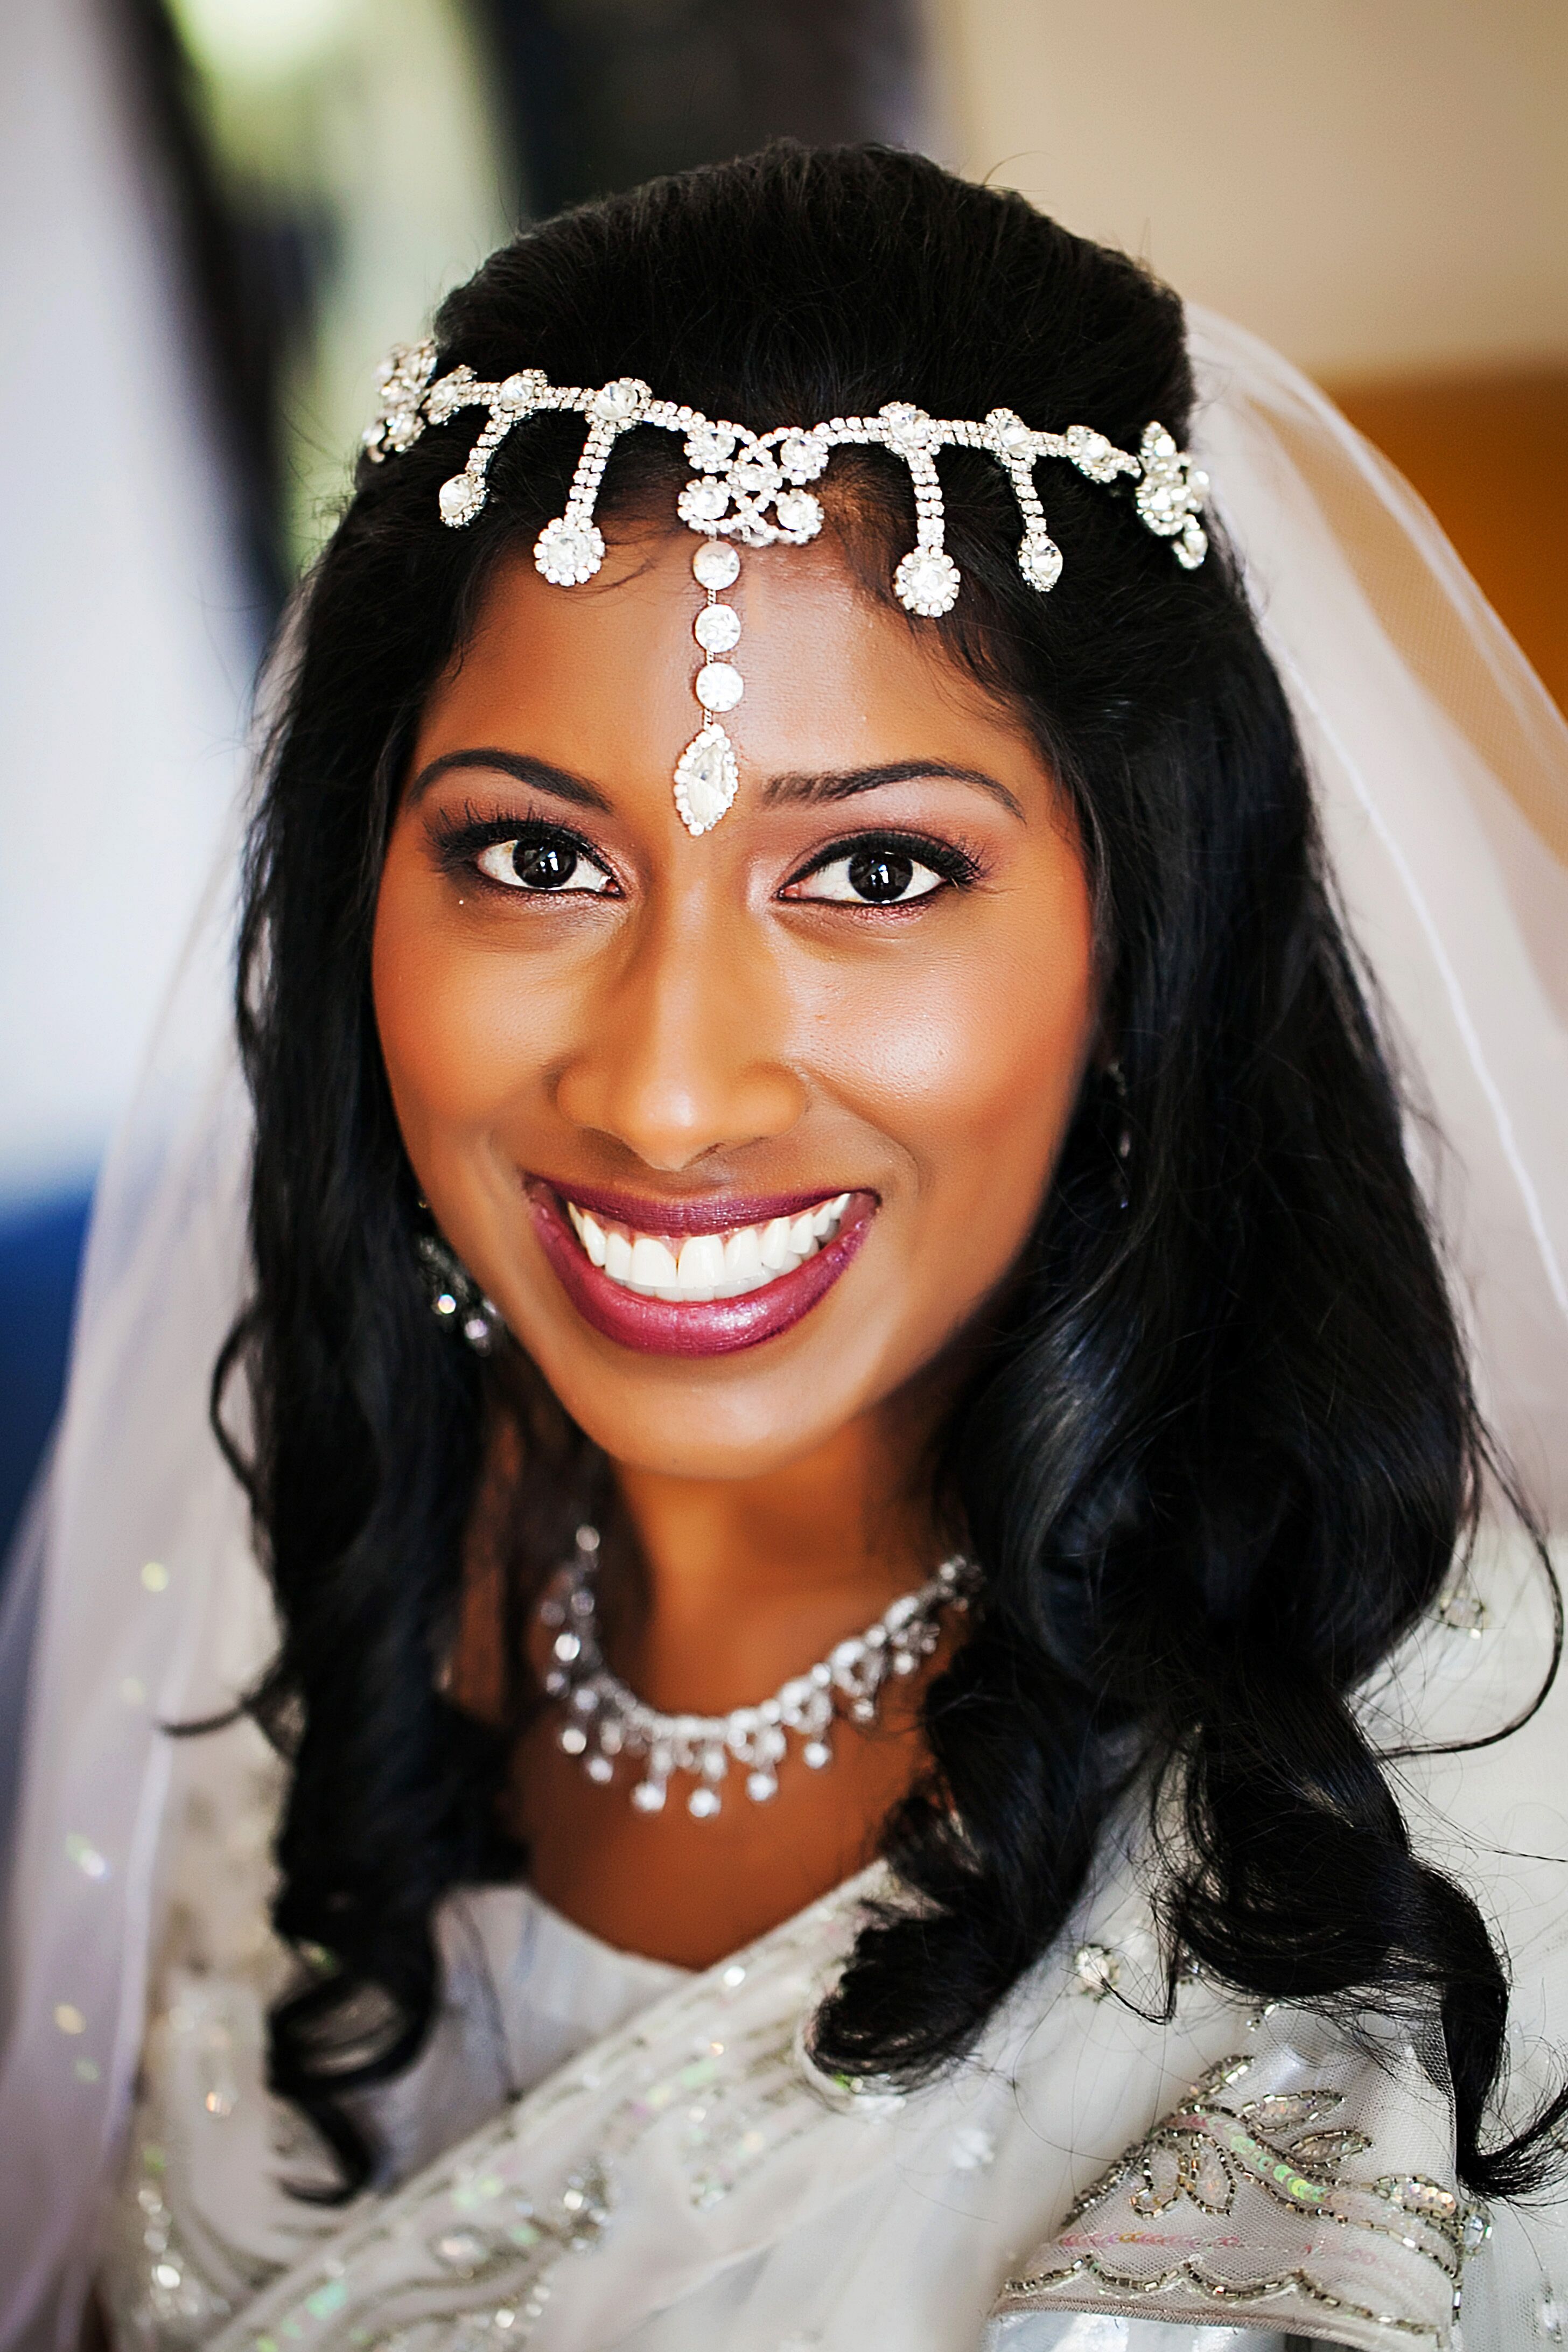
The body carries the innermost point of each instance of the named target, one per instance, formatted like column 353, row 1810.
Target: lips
column 697, row 1277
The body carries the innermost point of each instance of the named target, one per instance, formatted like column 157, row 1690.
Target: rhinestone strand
column 707, row 777
column 605, row 1720
column 750, row 488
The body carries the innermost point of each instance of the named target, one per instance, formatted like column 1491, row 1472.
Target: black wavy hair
column 1218, row 1458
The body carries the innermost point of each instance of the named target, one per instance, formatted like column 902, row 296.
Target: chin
column 723, row 1418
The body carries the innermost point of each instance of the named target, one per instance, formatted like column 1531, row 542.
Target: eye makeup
column 892, row 850
column 884, row 865
column 460, row 842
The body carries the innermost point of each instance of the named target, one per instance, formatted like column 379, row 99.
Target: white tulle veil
column 1441, row 770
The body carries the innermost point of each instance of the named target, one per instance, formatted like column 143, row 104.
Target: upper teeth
column 705, row 1266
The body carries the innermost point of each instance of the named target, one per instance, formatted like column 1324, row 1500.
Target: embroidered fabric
column 1192, row 2220
column 209, row 2210
column 597, row 2150
column 630, row 2153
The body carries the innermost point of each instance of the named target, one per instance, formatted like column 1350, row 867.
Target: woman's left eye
column 877, row 873
column 547, row 863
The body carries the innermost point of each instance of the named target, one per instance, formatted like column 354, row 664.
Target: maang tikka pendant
column 752, row 487
column 706, row 775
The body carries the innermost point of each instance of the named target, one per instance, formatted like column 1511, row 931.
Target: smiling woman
column 672, row 1097
column 875, row 1665
column 726, row 1036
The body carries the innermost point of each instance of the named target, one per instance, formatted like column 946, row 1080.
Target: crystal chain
column 752, row 487
column 605, row 1720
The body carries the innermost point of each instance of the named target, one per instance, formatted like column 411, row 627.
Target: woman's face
column 818, row 1062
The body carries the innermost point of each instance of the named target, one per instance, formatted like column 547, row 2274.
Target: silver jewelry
column 752, row 487
column 456, row 1297
column 605, row 1721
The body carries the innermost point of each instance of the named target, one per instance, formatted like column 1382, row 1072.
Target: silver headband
column 752, row 487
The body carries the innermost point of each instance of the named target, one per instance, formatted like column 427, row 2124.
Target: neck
column 749, row 1580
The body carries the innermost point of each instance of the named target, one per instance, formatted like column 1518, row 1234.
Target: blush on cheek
column 456, row 1032
column 980, row 1067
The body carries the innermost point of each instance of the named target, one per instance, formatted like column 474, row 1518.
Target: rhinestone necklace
column 604, row 1720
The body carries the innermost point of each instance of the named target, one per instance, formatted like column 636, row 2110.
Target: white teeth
column 700, row 1266
column 707, row 1265
column 653, row 1263
column 775, row 1249
column 744, row 1264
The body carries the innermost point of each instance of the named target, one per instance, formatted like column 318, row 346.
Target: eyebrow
column 805, row 790
column 544, row 778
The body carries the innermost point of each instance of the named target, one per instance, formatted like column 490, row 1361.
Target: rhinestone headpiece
column 752, row 487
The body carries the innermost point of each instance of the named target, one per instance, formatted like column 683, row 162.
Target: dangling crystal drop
column 717, row 628
column 460, row 499
column 568, row 552
column 716, row 564
column 706, row 779
column 927, row 583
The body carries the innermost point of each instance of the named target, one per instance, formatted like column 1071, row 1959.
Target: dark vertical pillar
column 246, row 281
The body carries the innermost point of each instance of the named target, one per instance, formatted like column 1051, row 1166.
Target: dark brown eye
column 539, row 863
column 874, row 874
column 544, row 864
column 881, row 876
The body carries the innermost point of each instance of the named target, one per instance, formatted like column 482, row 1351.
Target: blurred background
column 216, row 215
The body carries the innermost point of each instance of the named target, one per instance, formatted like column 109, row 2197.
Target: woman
column 868, row 1119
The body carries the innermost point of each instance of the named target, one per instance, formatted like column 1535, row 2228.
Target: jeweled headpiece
column 752, row 487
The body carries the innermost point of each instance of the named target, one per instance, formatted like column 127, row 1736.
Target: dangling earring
column 1117, row 1078
column 456, row 1297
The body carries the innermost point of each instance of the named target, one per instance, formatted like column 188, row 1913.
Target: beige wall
column 1375, row 185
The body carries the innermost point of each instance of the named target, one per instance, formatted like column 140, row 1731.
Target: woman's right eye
column 547, row 862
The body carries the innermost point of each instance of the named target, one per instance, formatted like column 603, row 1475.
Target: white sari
column 596, row 2151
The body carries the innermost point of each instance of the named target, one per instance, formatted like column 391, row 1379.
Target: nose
column 685, row 1051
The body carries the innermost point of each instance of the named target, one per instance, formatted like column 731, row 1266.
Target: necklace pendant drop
column 603, row 1720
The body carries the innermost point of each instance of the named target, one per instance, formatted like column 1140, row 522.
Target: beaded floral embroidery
column 1212, row 2152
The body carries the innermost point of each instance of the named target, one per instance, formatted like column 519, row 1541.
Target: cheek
column 972, row 1063
column 455, row 1030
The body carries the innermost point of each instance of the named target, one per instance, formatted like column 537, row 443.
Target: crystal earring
column 456, row 1297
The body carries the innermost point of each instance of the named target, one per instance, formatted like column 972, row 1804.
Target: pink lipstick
column 756, row 1262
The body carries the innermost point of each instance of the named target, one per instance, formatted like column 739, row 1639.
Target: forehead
column 600, row 675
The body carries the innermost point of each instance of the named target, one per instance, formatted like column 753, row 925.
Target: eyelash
column 460, row 841
column 960, row 868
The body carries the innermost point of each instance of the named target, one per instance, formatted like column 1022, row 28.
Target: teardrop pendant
column 706, row 779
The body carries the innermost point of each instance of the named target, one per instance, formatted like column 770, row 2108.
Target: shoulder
column 1474, row 1723
column 1304, row 2182
column 1300, row 2177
